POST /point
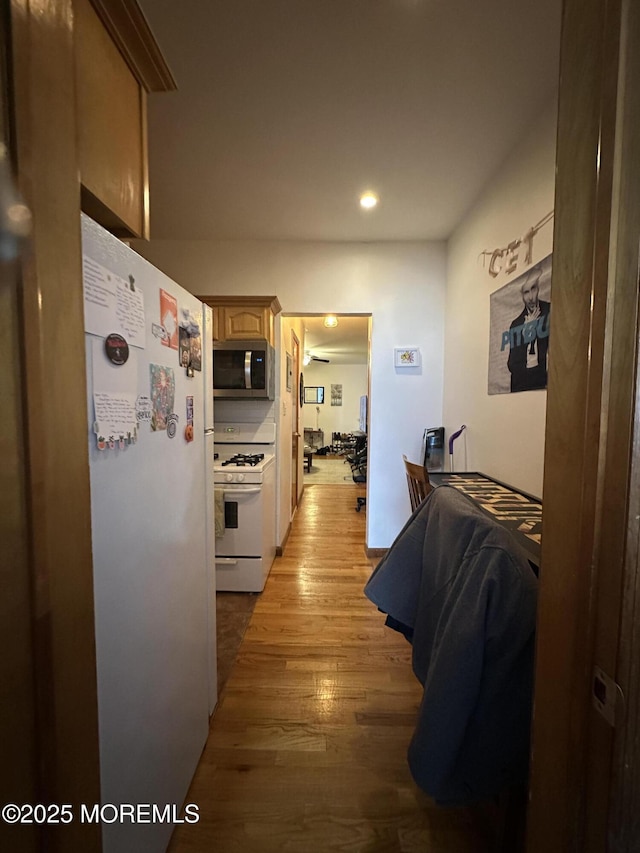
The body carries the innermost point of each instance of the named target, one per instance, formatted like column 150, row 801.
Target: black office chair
column 359, row 446
column 358, row 462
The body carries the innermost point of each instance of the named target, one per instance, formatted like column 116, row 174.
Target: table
column 518, row 511
column 308, row 456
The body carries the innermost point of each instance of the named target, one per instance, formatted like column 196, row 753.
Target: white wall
column 505, row 433
column 330, row 419
column 402, row 285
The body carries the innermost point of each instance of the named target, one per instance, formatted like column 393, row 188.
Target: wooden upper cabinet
column 237, row 323
column 117, row 63
column 242, row 318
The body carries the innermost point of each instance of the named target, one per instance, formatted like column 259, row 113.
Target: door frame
column 42, row 85
column 295, row 423
column 580, row 794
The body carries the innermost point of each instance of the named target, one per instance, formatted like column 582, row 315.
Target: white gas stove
column 244, row 483
column 241, row 467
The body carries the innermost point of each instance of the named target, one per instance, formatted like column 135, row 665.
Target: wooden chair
column 418, row 480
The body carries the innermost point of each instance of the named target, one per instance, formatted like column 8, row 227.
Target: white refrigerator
column 150, row 428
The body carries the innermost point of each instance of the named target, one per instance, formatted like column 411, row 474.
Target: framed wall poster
column 314, row 394
column 336, row 395
column 406, row 356
column 519, row 324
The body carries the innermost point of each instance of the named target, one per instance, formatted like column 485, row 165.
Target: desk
column 518, row 511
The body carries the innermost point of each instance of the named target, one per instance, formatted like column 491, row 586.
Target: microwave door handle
column 247, row 369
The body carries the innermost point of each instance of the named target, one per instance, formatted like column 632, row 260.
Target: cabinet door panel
column 242, row 323
column 112, row 131
column 242, row 318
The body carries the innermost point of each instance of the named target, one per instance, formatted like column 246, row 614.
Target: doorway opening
column 330, row 399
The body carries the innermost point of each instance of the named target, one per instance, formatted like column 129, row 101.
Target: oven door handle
column 241, row 491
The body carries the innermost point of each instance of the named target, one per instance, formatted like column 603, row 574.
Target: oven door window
column 243, row 522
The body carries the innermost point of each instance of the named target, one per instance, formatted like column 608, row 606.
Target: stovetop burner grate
column 240, row 459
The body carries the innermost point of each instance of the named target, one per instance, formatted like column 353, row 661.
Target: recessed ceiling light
column 330, row 321
column 368, row 200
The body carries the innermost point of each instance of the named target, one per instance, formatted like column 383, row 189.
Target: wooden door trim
column 295, row 421
column 19, row 754
column 56, row 414
column 574, row 470
column 623, row 647
column 585, row 779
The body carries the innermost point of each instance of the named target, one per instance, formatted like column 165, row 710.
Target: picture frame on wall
column 314, row 394
column 406, row 356
column 289, row 372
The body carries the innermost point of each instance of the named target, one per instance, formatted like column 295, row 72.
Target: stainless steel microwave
column 244, row 369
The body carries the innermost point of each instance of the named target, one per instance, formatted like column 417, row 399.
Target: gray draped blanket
column 461, row 584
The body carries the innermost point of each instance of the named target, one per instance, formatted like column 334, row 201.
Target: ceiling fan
column 308, row 357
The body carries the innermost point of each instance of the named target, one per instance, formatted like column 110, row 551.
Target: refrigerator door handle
column 207, row 363
column 226, row 561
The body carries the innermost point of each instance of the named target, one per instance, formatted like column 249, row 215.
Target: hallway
column 307, row 748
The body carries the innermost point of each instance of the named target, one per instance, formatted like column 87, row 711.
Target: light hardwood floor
column 307, row 748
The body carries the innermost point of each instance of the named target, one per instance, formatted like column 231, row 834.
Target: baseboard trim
column 375, row 552
column 280, row 548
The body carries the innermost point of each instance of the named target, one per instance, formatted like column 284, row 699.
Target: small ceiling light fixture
column 368, row 200
column 331, row 321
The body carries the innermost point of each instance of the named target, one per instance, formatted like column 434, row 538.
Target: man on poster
column 529, row 338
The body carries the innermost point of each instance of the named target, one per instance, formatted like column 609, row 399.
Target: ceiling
column 286, row 110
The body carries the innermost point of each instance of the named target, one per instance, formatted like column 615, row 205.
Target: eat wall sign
column 516, row 253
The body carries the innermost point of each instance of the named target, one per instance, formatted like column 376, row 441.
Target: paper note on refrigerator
column 115, row 414
column 114, row 398
column 112, row 304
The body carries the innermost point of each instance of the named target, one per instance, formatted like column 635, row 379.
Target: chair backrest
column 418, row 481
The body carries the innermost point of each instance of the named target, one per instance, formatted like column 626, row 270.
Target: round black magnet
column 116, row 348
